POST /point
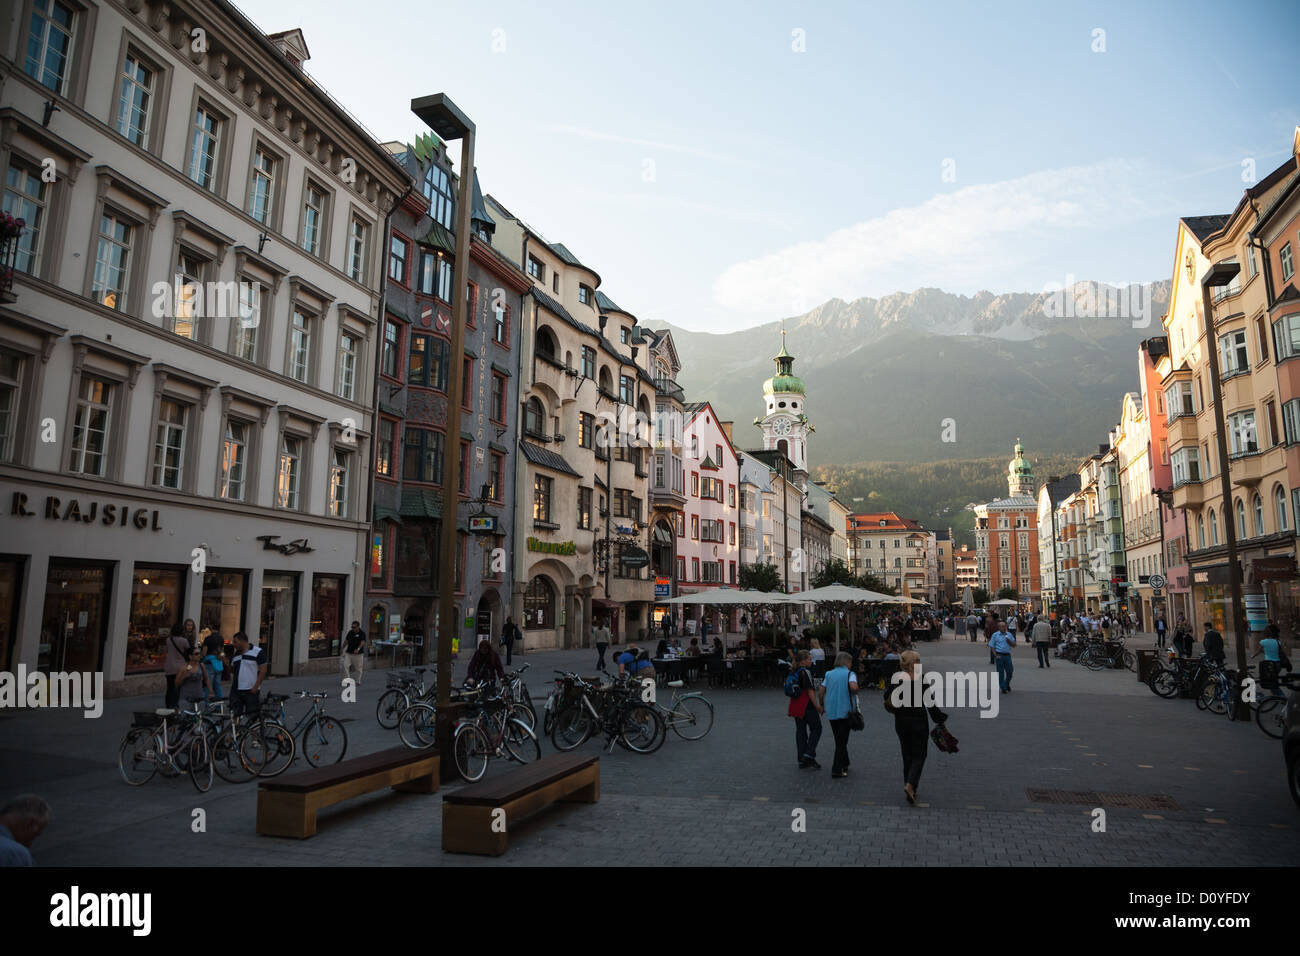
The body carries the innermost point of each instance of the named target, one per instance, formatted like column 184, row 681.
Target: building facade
column 708, row 530
column 667, row 474
column 1006, row 534
column 189, row 392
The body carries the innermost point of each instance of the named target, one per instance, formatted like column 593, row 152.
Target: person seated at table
column 485, row 666
column 891, row 653
column 635, row 662
column 675, row 647
column 662, row 649
column 815, row 648
column 694, row 649
column 717, row 645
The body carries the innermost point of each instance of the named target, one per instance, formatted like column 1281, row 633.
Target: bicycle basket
column 145, row 718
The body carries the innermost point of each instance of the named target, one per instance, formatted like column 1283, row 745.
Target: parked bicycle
column 621, row 716
column 168, row 741
column 320, row 737
column 689, row 716
column 491, row 729
column 404, row 689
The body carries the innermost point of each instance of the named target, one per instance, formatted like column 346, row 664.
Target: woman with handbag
column 841, row 684
column 911, row 723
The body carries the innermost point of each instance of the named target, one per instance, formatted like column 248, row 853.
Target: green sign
column 552, row 547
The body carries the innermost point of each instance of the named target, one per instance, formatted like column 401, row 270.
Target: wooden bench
column 286, row 806
column 471, row 823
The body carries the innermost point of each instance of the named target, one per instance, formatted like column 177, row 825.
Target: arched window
column 605, row 381
column 539, row 604
column 546, row 343
column 1279, row 503
column 1259, row 516
column 535, row 417
column 1241, row 519
column 1214, row 528
column 1200, row 530
column 437, row 189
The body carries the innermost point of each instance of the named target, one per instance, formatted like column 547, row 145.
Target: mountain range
column 891, row 379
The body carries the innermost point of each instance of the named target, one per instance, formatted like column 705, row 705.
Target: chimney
column 726, row 430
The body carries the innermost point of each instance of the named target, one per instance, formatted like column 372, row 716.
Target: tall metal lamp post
column 1219, row 275
column 442, row 116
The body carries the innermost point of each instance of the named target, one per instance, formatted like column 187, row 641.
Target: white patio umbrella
column 844, row 594
column 1004, row 602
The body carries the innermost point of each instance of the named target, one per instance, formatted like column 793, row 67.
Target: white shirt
column 246, row 666
column 817, row 653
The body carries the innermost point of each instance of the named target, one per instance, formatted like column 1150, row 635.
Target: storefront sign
column 1281, row 568
column 109, row 515
column 482, row 524
column 552, row 547
column 271, row 542
column 634, row 557
column 663, row 587
column 1256, row 611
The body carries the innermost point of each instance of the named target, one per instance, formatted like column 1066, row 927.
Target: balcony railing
column 670, row 389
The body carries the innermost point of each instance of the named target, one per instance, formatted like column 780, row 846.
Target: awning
column 380, row 513
column 419, row 503
column 662, row 534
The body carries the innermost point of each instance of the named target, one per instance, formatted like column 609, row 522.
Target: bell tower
column 784, row 421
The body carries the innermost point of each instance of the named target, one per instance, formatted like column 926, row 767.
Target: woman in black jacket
column 911, row 722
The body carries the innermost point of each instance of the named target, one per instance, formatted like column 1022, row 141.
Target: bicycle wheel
column 525, row 715
column 1213, row 699
column 1094, row 662
column 640, row 729
column 471, row 747
column 392, row 703
column 418, row 726
column 1271, row 716
column 1130, row 660
column 324, row 741
column 691, row 717
column 573, row 726
column 200, row 763
column 137, row 757
column 225, row 759
column 521, row 741
column 1164, row 683
column 267, row 748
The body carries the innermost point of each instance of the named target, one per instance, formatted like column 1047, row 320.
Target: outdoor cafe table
column 670, row 668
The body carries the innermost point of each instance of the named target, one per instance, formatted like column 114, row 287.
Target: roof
column 1284, row 194
column 1062, row 488
column 1018, row 503
column 420, row 503
column 1202, row 226
column 563, row 252
column 561, row 312
column 479, row 208
column 440, row 237
column 545, row 458
column 606, row 304
column 871, row 521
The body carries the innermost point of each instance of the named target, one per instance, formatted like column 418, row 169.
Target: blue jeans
column 807, row 731
column 1042, row 654
column 1004, row 671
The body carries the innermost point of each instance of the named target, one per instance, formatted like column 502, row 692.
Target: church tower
column 1020, row 475
column 784, row 422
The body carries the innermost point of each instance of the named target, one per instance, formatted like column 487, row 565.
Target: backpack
column 792, row 688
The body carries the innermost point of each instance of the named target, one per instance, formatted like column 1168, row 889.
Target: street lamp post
column 1220, row 274
column 445, row 118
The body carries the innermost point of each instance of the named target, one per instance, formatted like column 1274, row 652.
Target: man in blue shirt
column 21, row 821
column 1000, row 645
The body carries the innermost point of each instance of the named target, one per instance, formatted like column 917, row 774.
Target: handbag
column 944, row 740
column 855, row 714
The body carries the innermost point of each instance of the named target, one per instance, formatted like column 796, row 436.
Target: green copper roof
column 784, row 380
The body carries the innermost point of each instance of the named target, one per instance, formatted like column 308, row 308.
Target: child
column 212, row 668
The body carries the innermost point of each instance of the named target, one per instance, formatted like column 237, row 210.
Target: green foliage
column 872, row 583
column 1008, row 592
column 834, row 571
column 980, row 596
column 759, row 577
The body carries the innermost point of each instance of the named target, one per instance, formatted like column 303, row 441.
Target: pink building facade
column 1153, row 362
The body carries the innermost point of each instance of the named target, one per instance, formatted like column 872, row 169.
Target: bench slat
column 520, row 781
column 318, row 778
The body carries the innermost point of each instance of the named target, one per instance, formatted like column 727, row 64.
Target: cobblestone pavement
column 732, row 797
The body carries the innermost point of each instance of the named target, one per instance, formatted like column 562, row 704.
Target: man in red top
column 806, row 709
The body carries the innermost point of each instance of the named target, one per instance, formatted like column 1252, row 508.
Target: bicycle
column 624, row 720
column 516, row 692
column 404, row 689
column 689, row 716
column 1270, row 713
column 418, row 725
column 154, row 744
column 323, row 739
column 266, row 747
column 492, row 732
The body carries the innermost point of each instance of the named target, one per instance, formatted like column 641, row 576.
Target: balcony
column 1249, row 468
column 1191, row 494
column 1183, row 431
column 665, row 497
column 669, row 389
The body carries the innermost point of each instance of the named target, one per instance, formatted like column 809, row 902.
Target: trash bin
column 1146, row 663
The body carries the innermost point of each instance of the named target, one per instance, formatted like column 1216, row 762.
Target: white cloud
column 973, row 237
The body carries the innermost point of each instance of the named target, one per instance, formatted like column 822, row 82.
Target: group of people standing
column 197, row 663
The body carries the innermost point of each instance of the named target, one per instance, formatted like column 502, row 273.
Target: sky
column 725, row 164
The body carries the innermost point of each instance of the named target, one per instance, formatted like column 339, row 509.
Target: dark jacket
column 485, row 667
column 1213, row 643
column 910, row 714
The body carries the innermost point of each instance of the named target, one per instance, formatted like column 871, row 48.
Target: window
column 534, row 418
column 536, row 269
column 300, row 347
column 471, row 298
column 695, row 527
column 497, row 476
column 189, row 290
column 250, row 320
column 1260, row 325
column 384, row 447
column 1232, row 347
column 542, row 488
column 731, row 496
column 428, row 271
column 1242, row 436
column 11, row 378
column 314, row 208
column 205, row 145
column 234, row 453
column 261, row 186
column 444, row 279
column 90, row 426
column 428, row 366
column 584, row 508
column 622, row 335
column 586, row 429
column 695, row 486
column 1279, row 505
column 1200, row 530
column 49, row 44
column 392, row 348
column 112, row 261
column 555, row 282
column 358, row 232
column 539, row 604
column 1284, row 257
column 1286, row 336
column 717, row 456
column 1214, row 528
column 1291, row 421
column 288, row 474
column 1270, row 413
column 397, row 252
column 584, row 294
column 134, row 99
column 1178, row 400
column 501, row 327
column 339, row 484
column 25, row 198
column 1258, row 508
column 626, row 389
column 169, row 444
column 588, row 362
column 498, row 407
column 422, row 455
column 347, row 366
column 437, row 189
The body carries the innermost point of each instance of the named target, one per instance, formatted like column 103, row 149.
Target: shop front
column 98, row 579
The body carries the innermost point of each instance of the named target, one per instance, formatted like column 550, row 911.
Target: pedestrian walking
column 213, row 666
column 840, row 685
column 972, row 625
column 911, row 724
column 1042, row 634
column 600, row 637
column 1161, row 628
column 509, row 634
column 354, row 652
column 178, row 655
column 1212, row 641
column 249, row 670
column 21, row 821
column 1000, row 645
column 806, row 709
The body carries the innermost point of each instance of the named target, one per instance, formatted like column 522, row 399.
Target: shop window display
column 157, row 596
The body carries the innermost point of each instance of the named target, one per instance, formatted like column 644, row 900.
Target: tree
column 1008, row 592
column 759, row 577
column 872, row 583
column 980, row 596
column 834, row 571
